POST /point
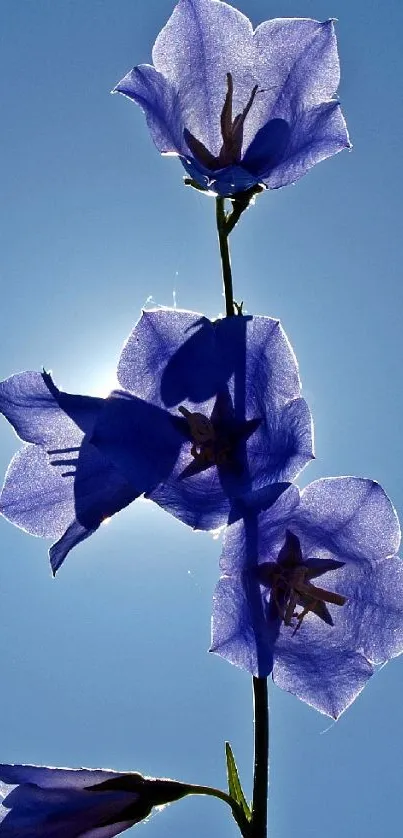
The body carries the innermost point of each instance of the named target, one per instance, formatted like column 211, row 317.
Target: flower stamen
column 207, row 448
column 291, row 588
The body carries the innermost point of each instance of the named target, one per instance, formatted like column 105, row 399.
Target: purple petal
column 373, row 614
column 63, row 802
column 41, row 413
column 314, row 135
column 283, row 443
column 55, row 778
column 74, row 535
column 176, row 356
column 268, row 148
column 327, row 677
column 250, row 539
column 159, row 100
column 351, row 517
column 159, row 336
column 239, row 632
column 36, row 496
column 203, row 41
column 198, row 501
column 296, row 65
column 65, row 494
column 140, row 439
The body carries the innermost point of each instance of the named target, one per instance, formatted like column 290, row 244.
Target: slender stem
column 261, row 761
column 222, row 795
column 225, row 257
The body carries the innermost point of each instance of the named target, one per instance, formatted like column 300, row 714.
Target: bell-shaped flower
column 77, row 803
column 209, row 410
column 312, row 590
column 240, row 107
column 232, row 392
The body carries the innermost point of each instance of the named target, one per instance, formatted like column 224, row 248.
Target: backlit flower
column 232, row 391
column 312, row 591
column 241, row 107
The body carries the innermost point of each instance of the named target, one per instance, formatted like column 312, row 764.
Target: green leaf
column 234, row 785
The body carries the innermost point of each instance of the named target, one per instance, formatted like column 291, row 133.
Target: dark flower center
column 231, row 132
column 209, row 447
column 292, row 592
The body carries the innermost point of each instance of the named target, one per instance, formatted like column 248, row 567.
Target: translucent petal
column 314, row 135
column 328, row 678
column 297, row 67
column 41, row 413
column 160, row 102
column 202, row 41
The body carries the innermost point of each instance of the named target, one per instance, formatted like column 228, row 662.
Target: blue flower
column 312, row 590
column 209, row 411
column 77, row 802
column 232, row 391
column 241, row 107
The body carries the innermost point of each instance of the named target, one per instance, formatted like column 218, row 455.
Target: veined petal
column 239, row 631
column 249, row 538
column 36, row 496
column 328, row 678
column 202, row 42
column 351, row 517
column 282, row 445
column 175, row 356
column 314, row 135
column 297, row 67
column 373, row 614
column 198, row 501
column 168, row 339
column 65, row 494
column 41, row 413
column 159, row 100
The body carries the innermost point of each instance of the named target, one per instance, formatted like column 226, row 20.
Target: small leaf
column 234, row 785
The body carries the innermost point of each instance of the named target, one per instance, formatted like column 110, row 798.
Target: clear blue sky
column 107, row 665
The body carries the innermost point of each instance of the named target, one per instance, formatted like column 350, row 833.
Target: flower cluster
column 209, row 422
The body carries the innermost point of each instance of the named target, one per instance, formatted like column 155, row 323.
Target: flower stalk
column 223, row 233
column 261, row 759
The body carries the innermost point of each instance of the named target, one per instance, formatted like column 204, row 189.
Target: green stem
column 261, row 761
column 225, row 257
column 222, row 795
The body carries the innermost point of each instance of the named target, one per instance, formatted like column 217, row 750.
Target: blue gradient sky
column 107, row 665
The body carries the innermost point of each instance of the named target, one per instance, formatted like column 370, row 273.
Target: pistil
column 231, row 132
column 206, row 447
